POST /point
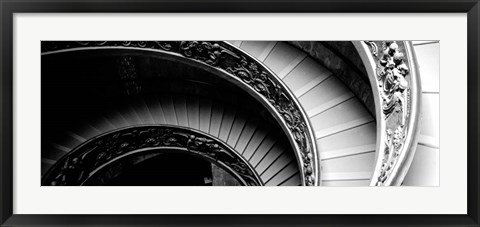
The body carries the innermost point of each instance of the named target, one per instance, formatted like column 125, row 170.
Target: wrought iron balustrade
column 83, row 162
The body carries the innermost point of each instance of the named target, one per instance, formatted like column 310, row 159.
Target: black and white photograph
column 240, row 113
column 159, row 113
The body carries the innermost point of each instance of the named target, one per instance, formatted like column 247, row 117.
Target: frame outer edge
column 6, row 128
column 6, row 138
column 473, row 87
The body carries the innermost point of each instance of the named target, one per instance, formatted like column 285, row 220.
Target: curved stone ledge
column 396, row 84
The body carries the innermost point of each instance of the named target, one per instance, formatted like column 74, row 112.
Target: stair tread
column 239, row 124
column 193, row 112
column 290, row 170
column 273, row 154
column 168, row 109
column 282, row 56
column 257, row 48
column 180, row 107
column 205, row 114
column 341, row 117
column 357, row 136
column 335, row 176
column 356, row 163
column 322, row 93
column 304, row 73
column 294, row 180
column 216, row 119
column 262, row 150
column 347, row 151
column 276, row 166
column 226, row 125
column 245, row 137
column 346, row 183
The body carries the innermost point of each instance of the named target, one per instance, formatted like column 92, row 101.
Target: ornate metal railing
column 248, row 72
column 78, row 166
column 395, row 81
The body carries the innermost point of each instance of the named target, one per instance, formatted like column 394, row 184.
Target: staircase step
column 180, row 107
column 48, row 161
column 322, row 93
column 284, row 174
column 355, row 163
column 346, row 183
column 341, row 176
column 143, row 112
column 341, row 127
column 168, row 110
column 260, row 142
column 425, row 168
column 205, row 115
column 239, row 124
column 193, row 112
column 236, row 43
column 255, row 156
column 292, row 181
column 304, row 73
column 55, row 152
column 45, row 167
column 428, row 141
column 279, row 164
column 357, row 136
column 216, row 119
column 156, row 110
column 246, row 144
column 430, row 121
column 258, row 49
column 271, row 156
column 283, row 58
column 227, row 122
column 116, row 119
column 341, row 117
column 347, row 152
column 330, row 104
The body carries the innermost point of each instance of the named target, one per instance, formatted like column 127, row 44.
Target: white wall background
column 425, row 168
column 30, row 198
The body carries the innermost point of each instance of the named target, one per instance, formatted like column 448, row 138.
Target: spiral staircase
column 344, row 126
column 345, row 131
column 253, row 139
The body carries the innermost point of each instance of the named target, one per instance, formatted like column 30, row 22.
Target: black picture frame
column 9, row 7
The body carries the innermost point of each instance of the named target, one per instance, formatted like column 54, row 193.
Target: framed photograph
column 259, row 113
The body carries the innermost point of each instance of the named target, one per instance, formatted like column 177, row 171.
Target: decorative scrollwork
column 392, row 72
column 251, row 72
column 373, row 47
column 77, row 166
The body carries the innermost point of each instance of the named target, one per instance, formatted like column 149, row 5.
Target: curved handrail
column 79, row 165
column 393, row 73
column 252, row 74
